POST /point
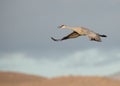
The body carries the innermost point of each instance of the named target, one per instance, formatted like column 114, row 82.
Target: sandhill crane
column 80, row 31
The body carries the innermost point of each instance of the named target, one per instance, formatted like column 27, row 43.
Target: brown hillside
column 115, row 76
column 82, row 81
column 17, row 79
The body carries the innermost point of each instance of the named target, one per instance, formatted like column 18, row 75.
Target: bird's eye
column 61, row 26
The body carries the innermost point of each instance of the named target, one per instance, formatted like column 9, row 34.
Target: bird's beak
column 59, row 27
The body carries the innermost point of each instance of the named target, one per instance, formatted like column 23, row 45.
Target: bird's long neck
column 68, row 27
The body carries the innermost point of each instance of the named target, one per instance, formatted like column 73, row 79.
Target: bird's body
column 80, row 31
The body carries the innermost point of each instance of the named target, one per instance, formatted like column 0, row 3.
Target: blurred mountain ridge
column 20, row 79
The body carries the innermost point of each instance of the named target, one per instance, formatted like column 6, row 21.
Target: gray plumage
column 80, row 31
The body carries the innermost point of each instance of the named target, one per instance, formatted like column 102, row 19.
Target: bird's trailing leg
column 102, row 35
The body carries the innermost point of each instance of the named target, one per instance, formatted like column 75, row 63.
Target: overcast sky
column 27, row 25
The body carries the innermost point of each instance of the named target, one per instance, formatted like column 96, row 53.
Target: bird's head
column 62, row 26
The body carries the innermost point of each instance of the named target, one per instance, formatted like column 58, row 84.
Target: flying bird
column 80, row 31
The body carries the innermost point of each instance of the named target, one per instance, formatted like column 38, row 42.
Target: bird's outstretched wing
column 71, row 35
